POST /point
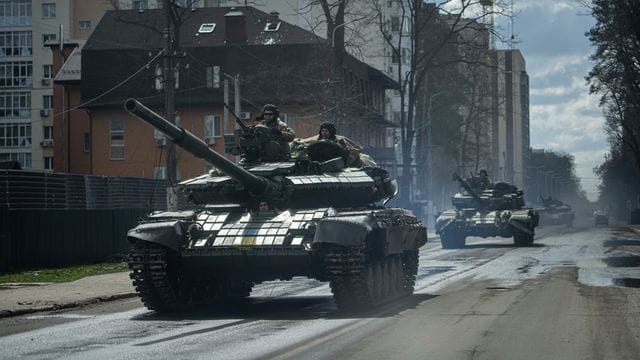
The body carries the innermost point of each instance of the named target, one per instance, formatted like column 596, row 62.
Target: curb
column 74, row 304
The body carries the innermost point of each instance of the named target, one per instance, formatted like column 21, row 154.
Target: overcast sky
column 564, row 117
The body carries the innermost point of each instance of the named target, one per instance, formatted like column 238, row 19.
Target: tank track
column 361, row 283
column 156, row 278
column 163, row 286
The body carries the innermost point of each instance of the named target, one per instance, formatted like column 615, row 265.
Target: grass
column 64, row 274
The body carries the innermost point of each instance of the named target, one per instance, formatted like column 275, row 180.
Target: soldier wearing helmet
column 353, row 151
column 270, row 117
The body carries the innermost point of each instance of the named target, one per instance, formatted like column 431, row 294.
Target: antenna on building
column 487, row 9
column 512, row 36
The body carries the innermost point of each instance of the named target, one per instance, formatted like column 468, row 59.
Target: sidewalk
column 18, row 299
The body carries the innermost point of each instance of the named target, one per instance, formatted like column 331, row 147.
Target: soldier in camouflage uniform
column 354, row 155
column 283, row 133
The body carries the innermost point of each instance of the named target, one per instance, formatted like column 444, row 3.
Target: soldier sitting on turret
column 480, row 182
column 354, row 157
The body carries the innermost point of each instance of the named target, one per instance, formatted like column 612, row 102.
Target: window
column 15, row 135
column 272, row 26
column 15, row 13
column 395, row 57
column 207, row 28
column 212, row 128
column 87, row 143
column 47, row 37
column 47, row 133
column 16, row 104
column 48, row 163
column 389, row 4
column 213, row 77
column 289, row 119
column 116, row 139
column 159, row 81
column 23, row 158
column 139, row 4
column 48, row 10
column 395, row 23
column 47, row 102
column 405, row 56
column 160, row 172
column 16, row 43
column 16, row 74
column 84, row 24
column 47, row 71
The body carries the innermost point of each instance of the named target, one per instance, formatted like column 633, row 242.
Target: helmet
column 272, row 108
column 329, row 126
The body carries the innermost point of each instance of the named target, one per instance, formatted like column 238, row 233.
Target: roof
column 131, row 28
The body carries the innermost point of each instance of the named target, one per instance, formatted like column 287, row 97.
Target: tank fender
column 165, row 233
column 345, row 231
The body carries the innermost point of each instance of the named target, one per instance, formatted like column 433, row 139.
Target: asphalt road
column 571, row 296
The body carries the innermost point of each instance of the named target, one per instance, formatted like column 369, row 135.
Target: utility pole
column 169, row 103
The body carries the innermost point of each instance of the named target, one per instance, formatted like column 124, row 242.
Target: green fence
column 49, row 238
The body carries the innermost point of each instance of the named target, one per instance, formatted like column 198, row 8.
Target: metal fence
column 52, row 219
column 40, row 190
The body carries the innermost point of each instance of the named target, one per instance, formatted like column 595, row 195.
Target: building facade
column 510, row 137
column 220, row 42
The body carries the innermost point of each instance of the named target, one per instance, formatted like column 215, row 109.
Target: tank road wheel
column 522, row 239
column 452, row 239
column 357, row 284
column 159, row 279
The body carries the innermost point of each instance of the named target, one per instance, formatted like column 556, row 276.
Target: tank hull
column 182, row 260
column 454, row 226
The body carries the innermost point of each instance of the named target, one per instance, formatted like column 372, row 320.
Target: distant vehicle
column 600, row 218
column 494, row 211
column 555, row 212
column 274, row 219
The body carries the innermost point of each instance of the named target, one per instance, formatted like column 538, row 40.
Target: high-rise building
column 510, row 117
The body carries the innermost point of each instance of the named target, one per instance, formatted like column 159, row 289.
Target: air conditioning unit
column 161, row 141
column 44, row 112
column 245, row 115
column 46, row 82
column 46, row 143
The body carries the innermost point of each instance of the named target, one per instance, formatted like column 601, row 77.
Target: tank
column 274, row 220
column 554, row 212
column 497, row 210
column 600, row 218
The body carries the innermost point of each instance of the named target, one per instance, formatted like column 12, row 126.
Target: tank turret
column 257, row 221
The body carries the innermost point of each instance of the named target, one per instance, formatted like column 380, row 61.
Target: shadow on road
column 286, row 308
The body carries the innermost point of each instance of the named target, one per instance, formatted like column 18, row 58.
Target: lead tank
column 497, row 210
column 274, row 220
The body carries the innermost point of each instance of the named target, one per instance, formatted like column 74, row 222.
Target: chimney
column 273, row 16
column 235, row 26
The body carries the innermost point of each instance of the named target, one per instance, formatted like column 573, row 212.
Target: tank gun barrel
column 196, row 146
column 468, row 188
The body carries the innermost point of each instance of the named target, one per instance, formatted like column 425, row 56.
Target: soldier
column 327, row 131
column 270, row 118
column 485, row 183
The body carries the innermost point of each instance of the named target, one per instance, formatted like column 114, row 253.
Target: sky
column 564, row 117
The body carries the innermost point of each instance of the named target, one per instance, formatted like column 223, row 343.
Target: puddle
column 627, row 282
column 621, row 242
column 623, row 261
